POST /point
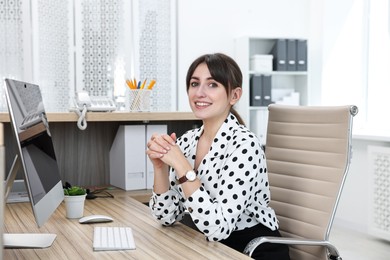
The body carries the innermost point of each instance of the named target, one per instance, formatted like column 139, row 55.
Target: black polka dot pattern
column 234, row 194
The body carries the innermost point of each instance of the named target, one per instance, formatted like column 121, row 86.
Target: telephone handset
column 83, row 99
column 84, row 103
column 97, row 104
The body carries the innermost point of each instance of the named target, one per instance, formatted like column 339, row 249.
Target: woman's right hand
column 158, row 145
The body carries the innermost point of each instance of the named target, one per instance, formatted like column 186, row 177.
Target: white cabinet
column 289, row 87
column 130, row 167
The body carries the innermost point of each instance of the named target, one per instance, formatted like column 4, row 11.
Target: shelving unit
column 256, row 117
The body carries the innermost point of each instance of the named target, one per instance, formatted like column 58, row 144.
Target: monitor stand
column 23, row 240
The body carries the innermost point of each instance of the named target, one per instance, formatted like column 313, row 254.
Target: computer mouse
column 95, row 219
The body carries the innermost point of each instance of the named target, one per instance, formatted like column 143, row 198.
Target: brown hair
column 224, row 70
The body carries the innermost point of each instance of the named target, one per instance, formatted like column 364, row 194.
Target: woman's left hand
column 160, row 144
column 164, row 148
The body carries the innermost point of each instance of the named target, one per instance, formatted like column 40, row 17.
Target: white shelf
column 257, row 108
column 256, row 117
column 276, row 73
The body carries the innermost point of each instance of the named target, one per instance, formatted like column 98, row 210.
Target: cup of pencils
column 139, row 97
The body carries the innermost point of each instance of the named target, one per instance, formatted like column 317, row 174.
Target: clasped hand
column 163, row 148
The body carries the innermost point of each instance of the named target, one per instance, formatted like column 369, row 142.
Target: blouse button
column 190, row 209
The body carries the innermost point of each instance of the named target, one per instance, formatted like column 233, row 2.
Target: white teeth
column 201, row 104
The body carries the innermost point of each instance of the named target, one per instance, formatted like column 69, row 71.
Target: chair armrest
column 254, row 243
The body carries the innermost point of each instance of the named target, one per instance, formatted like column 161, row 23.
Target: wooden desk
column 116, row 116
column 74, row 241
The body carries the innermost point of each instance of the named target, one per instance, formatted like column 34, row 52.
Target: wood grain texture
column 114, row 116
column 74, row 240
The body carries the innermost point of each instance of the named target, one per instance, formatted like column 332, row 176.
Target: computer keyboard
column 113, row 238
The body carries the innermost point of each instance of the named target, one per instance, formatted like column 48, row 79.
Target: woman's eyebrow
column 197, row 78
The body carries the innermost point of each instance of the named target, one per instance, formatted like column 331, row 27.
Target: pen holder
column 139, row 100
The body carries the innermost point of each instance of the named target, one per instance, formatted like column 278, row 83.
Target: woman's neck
column 211, row 127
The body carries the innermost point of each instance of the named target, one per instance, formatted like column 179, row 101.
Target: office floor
column 354, row 245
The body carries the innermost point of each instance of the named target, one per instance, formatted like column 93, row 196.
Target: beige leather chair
column 308, row 153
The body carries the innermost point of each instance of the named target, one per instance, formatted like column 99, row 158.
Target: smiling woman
column 208, row 85
column 217, row 172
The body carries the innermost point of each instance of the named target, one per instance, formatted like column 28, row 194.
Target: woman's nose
column 200, row 91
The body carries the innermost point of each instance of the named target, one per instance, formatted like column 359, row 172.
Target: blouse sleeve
column 166, row 207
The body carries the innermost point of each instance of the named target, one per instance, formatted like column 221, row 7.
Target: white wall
column 344, row 66
column 211, row 26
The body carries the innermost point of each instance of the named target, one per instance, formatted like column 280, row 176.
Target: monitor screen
column 36, row 155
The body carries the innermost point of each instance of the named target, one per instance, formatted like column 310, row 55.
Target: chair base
column 333, row 253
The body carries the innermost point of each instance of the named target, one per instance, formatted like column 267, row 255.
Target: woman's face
column 207, row 97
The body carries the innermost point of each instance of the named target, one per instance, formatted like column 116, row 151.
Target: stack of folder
column 290, row 55
column 260, row 90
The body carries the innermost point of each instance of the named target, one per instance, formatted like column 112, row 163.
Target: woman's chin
column 201, row 114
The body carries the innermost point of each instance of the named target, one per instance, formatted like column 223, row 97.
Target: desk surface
column 74, row 241
column 115, row 116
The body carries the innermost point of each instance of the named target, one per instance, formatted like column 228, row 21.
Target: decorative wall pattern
column 11, row 44
column 85, row 44
column 53, row 51
column 155, row 51
column 380, row 191
column 101, row 26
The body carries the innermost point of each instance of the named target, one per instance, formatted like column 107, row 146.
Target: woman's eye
column 194, row 84
column 213, row 85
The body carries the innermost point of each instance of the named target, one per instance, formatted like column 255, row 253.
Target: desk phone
column 95, row 103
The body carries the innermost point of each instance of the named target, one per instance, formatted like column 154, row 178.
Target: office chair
column 308, row 151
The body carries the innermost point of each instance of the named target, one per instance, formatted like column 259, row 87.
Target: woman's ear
column 236, row 95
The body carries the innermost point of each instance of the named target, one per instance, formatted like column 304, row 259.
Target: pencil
column 151, row 84
column 129, row 84
column 143, row 84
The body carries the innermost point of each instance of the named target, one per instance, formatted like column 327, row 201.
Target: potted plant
column 74, row 201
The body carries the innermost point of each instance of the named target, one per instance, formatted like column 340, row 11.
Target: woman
column 218, row 171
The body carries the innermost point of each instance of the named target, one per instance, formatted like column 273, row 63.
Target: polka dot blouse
column 234, row 192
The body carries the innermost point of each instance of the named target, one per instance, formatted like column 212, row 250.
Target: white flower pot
column 74, row 206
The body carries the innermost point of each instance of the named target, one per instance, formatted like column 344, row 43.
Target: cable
column 98, row 193
column 82, row 122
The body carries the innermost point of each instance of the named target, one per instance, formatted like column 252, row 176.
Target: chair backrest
column 308, row 155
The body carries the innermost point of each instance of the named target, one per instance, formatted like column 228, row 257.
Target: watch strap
column 182, row 179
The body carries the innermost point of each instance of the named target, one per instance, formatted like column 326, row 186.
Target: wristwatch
column 189, row 176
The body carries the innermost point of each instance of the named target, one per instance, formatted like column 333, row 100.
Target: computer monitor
column 35, row 157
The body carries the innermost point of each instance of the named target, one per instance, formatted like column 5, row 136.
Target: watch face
column 191, row 175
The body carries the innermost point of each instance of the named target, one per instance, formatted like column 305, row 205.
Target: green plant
column 74, row 191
